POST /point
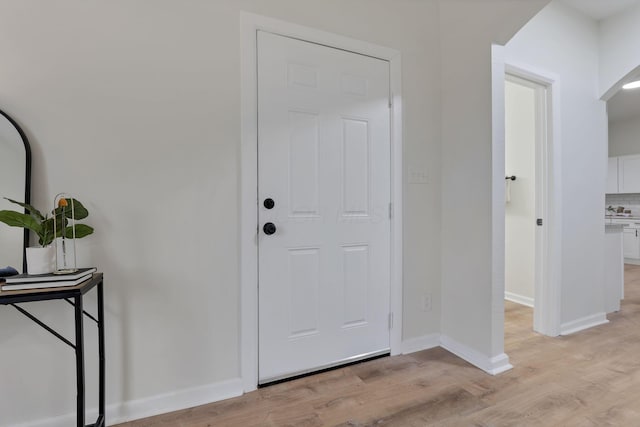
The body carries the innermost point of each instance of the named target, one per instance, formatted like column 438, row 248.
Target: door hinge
column 391, row 101
column 390, row 210
column 539, row 221
column 390, row 321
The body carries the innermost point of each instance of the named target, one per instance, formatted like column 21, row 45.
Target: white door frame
column 547, row 313
column 541, row 94
column 250, row 24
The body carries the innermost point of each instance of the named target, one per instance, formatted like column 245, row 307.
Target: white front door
column 324, row 194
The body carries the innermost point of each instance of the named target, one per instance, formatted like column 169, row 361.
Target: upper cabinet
column 624, row 174
column 629, row 174
column 612, row 176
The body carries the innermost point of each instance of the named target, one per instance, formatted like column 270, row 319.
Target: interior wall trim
column 424, row 342
column 583, row 323
column 492, row 365
column 519, row 299
column 150, row 406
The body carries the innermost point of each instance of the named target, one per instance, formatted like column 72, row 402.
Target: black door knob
column 269, row 228
column 269, row 203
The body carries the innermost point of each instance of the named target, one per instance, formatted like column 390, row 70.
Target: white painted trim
column 492, row 365
column 583, row 323
column 498, row 197
column 150, row 406
column 531, row 73
column 424, row 342
column 397, row 197
column 249, row 25
column 632, row 261
column 248, row 205
column 174, row 401
column 519, row 299
column 549, row 241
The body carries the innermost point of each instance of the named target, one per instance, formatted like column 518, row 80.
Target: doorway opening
column 529, row 198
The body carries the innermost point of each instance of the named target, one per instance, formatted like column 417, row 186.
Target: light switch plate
column 417, row 176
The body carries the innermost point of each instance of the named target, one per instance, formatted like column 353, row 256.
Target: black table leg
column 101, row 352
column 76, row 293
column 79, row 360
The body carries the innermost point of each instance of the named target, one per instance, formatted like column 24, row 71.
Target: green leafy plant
column 43, row 225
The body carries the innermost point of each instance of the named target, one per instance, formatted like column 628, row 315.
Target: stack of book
column 52, row 280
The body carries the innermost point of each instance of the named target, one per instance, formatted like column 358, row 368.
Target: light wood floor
column 591, row 378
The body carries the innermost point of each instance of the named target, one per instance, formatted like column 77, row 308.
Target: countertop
column 622, row 217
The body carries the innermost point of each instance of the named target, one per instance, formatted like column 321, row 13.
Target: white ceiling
column 601, row 9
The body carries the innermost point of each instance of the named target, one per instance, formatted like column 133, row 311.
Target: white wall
column 565, row 43
column 134, row 108
column 624, row 137
column 619, row 49
column 472, row 290
column 520, row 154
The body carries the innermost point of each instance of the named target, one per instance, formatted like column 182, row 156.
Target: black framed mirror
column 15, row 183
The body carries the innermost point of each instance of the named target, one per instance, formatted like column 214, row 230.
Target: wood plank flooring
column 591, row 378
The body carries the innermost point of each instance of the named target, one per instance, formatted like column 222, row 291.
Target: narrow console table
column 74, row 296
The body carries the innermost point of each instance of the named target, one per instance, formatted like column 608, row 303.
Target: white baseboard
column 583, row 323
column 424, row 342
column 188, row 398
column 632, row 261
column 519, row 299
column 150, row 406
column 491, row 365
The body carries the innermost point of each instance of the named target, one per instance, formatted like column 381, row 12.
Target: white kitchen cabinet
column 613, row 267
column 629, row 174
column 612, row 176
column 631, row 243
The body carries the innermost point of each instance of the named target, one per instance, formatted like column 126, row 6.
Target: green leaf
column 79, row 211
column 48, row 229
column 82, row 230
column 46, row 236
column 17, row 219
column 33, row 211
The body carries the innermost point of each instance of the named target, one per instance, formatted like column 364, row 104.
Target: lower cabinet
column 613, row 268
column 631, row 243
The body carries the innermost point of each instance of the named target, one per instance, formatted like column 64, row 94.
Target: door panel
column 355, row 270
column 355, row 147
column 324, row 158
column 303, row 163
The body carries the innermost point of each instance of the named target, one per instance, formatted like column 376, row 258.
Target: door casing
column 250, row 24
column 542, row 100
column 547, row 293
column 548, row 201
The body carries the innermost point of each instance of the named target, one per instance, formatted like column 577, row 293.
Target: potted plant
column 40, row 260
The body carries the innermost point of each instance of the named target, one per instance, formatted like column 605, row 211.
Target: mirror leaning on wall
column 15, row 183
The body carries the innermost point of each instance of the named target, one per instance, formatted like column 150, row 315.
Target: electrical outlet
column 426, row 302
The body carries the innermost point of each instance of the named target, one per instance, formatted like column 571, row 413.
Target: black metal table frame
column 74, row 296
